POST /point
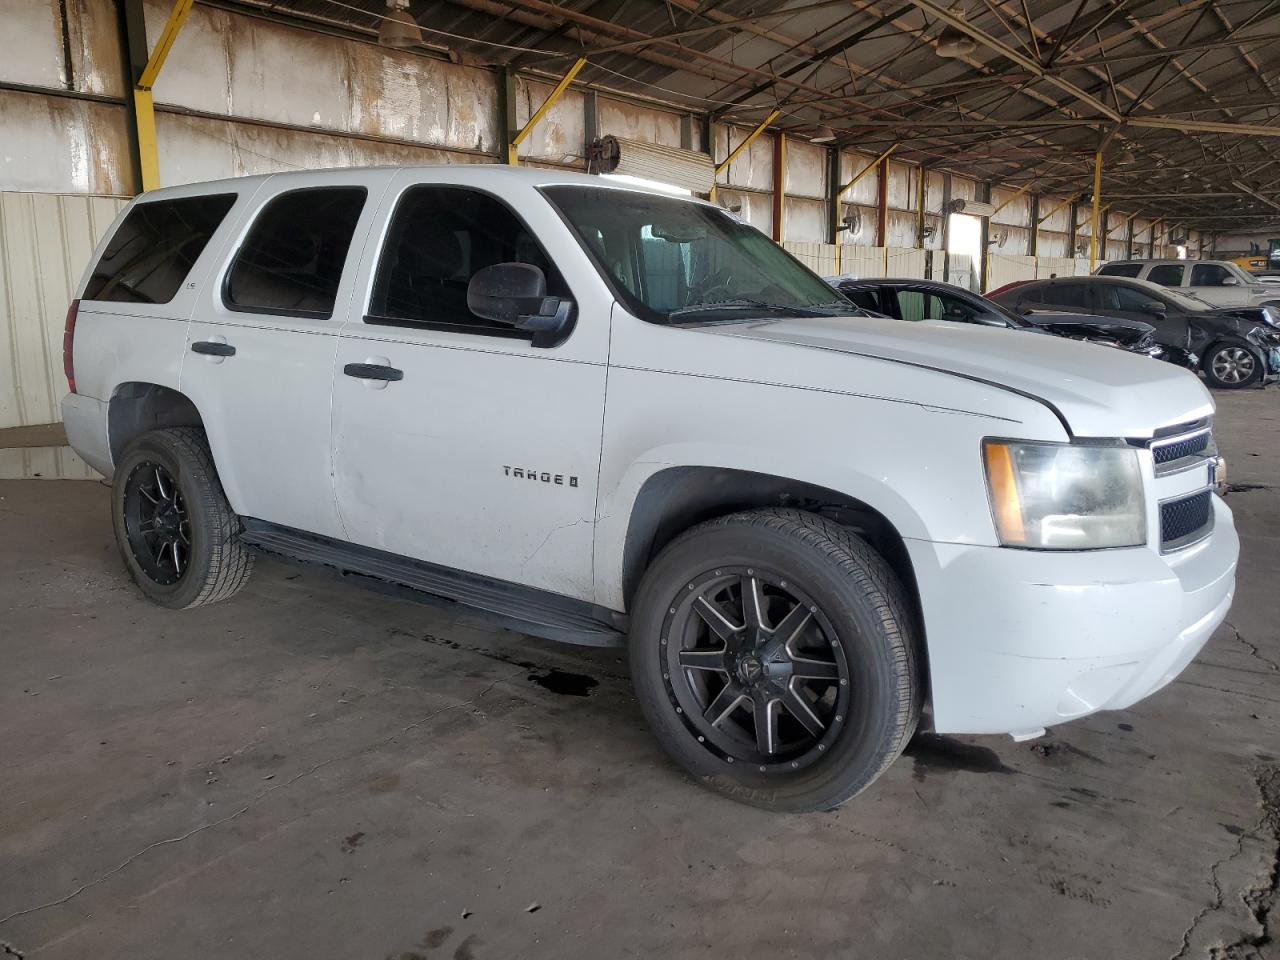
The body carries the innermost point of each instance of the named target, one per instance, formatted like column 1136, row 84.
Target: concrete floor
column 314, row 770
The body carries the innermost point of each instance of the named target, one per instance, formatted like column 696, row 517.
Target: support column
column 946, row 228
column 984, row 244
column 882, row 202
column 921, row 181
column 1097, row 201
column 1033, row 241
column 779, row 186
column 144, row 70
column 508, row 94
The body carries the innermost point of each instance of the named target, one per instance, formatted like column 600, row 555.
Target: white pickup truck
column 605, row 415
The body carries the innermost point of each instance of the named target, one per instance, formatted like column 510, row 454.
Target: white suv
column 604, row 416
column 1220, row 283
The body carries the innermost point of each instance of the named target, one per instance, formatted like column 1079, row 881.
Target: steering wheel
column 715, row 287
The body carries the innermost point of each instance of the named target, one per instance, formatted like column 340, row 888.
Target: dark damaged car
column 1237, row 346
column 934, row 300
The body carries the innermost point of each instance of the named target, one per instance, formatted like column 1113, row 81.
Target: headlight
column 1062, row 496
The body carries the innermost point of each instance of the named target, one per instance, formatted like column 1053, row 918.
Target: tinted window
column 155, row 247
column 1034, row 295
column 1115, row 297
column 1067, row 295
column 1208, row 275
column 1120, row 270
column 292, row 259
column 1166, row 274
column 867, row 299
column 439, row 237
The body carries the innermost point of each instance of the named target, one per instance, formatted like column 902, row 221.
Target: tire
column 1225, row 364
column 177, row 534
column 858, row 631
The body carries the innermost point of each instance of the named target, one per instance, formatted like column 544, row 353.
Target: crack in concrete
column 1252, row 647
column 248, row 806
column 1258, row 900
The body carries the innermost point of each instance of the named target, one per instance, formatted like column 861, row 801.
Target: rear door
column 262, row 341
column 475, row 450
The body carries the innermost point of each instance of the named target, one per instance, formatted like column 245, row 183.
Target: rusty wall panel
column 1016, row 240
column 560, row 137
column 194, row 149
column 901, row 228
column 97, row 64
column 1060, row 221
column 1018, row 211
column 753, row 167
column 632, row 122
column 239, row 66
column 33, row 43
column 902, row 186
column 805, row 220
column 430, row 101
column 864, row 191
column 1051, row 243
column 963, row 188
column 59, row 145
column 806, row 170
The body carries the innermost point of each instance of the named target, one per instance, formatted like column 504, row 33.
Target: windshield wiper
column 745, row 303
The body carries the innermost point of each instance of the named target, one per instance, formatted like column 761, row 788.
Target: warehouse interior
column 317, row 770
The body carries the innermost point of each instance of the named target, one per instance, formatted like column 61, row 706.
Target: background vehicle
column 604, row 415
column 1220, row 283
column 1236, row 347
column 907, row 299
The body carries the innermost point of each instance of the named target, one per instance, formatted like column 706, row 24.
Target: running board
column 526, row 609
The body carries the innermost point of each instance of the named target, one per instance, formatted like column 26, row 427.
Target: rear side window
column 1120, row 270
column 1115, row 297
column 292, row 259
column 438, row 238
column 1067, row 295
column 153, row 250
column 1166, row 274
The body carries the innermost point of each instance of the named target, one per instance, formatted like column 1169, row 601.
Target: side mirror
column 1155, row 308
column 991, row 320
column 1230, row 282
column 515, row 294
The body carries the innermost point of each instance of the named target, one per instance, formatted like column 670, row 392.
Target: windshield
column 677, row 261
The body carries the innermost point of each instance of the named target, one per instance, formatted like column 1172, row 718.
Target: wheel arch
column 137, row 407
column 677, row 498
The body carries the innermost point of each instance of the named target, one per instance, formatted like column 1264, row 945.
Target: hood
column 1129, row 333
column 1098, row 391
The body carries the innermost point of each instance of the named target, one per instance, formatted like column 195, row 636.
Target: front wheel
column 1230, row 366
column 772, row 654
column 177, row 533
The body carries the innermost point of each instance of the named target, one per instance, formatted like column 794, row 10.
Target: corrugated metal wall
column 45, row 242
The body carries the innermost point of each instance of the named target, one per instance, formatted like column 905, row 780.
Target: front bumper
column 1020, row 640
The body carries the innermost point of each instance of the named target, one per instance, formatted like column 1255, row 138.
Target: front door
column 1133, row 303
column 455, row 440
column 261, row 346
column 1218, row 285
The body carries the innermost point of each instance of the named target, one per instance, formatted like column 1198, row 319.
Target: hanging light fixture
column 822, row 134
column 954, row 43
column 398, row 28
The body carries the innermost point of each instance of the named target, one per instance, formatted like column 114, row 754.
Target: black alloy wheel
column 156, row 523
column 755, row 669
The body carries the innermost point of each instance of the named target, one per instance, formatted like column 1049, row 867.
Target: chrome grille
column 1186, row 520
column 1176, row 449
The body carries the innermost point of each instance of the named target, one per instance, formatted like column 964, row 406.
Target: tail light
column 68, row 345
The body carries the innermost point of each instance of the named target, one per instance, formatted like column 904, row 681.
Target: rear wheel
column 177, row 534
column 772, row 655
column 1230, row 366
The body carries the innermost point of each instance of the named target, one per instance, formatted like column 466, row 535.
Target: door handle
column 372, row 371
column 213, row 348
